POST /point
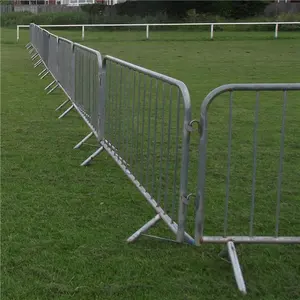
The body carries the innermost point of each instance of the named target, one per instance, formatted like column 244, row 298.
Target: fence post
column 18, row 33
column 212, row 31
column 276, row 31
column 82, row 34
column 147, row 32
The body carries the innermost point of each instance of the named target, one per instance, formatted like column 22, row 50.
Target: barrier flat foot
column 38, row 63
column 83, row 140
column 143, row 229
column 53, row 89
column 66, row 111
column 42, row 72
column 45, row 75
column 91, row 157
column 47, row 87
column 61, row 105
column 236, row 268
column 34, row 56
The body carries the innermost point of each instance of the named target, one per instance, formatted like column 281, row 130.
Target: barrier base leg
column 143, row 229
column 37, row 63
column 61, row 105
column 89, row 159
column 47, row 87
column 28, row 46
column 34, row 56
column 83, row 140
column 45, row 75
column 236, row 267
column 31, row 50
column 42, row 72
column 66, row 111
column 54, row 88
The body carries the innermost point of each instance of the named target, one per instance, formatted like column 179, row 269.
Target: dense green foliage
column 177, row 9
column 13, row 19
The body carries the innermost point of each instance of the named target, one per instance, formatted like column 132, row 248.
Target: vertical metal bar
column 138, row 121
column 108, row 99
column 154, row 143
column 168, row 153
column 181, row 234
column 148, row 133
column 280, row 163
column 141, row 177
column 147, row 32
column 124, row 115
column 116, row 107
column 254, row 165
column 176, row 155
column 228, row 166
column 161, row 142
column 120, row 150
column 133, row 116
column 18, row 33
column 200, row 196
column 127, row 125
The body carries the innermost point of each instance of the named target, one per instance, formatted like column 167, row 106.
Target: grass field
column 64, row 227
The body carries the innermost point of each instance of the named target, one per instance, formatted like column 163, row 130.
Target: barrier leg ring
column 66, row 111
column 83, row 140
column 89, row 159
column 143, row 229
column 61, row 105
column 236, row 267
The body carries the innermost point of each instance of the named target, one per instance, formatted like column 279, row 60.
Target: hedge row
column 177, row 9
column 13, row 19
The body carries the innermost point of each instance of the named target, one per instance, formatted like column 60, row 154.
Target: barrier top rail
column 147, row 25
column 153, row 74
column 247, row 87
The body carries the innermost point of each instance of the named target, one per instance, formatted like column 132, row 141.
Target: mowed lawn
column 64, row 227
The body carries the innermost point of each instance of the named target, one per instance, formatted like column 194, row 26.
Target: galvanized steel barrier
column 147, row 117
column 236, row 212
column 142, row 119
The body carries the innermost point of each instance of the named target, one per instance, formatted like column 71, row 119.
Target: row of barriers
column 143, row 120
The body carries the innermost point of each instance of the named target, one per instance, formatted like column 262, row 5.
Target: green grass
column 64, row 227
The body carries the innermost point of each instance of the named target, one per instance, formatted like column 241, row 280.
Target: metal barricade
column 45, row 46
column 66, row 68
column 88, row 64
column 53, row 58
column 246, row 170
column 143, row 120
column 147, row 118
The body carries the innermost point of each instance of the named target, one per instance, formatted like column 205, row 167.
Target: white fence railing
column 147, row 26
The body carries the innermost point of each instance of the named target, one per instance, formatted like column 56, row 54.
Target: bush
column 63, row 18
